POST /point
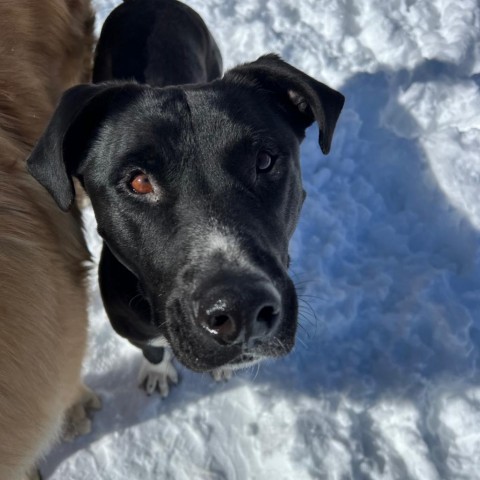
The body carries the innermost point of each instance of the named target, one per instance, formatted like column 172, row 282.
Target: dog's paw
column 158, row 376
column 222, row 374
column 77, row 421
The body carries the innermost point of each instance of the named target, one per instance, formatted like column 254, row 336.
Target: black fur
column 158, row 42
column 199, row 144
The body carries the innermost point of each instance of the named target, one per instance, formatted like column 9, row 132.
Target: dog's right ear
column 306, row 98
column 56, row 157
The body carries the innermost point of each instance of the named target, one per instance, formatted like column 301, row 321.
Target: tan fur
column 45, row 47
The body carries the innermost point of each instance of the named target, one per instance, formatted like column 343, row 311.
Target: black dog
column 159, row 42
column 196, row 188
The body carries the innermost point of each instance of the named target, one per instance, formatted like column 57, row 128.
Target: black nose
column 238, row 309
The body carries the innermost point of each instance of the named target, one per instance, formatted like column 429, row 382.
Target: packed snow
column 383, row 382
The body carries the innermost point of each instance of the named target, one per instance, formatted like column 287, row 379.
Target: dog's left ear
column 56, row 157
column 307, row 98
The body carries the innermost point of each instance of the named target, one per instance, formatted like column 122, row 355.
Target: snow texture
column 384, row 380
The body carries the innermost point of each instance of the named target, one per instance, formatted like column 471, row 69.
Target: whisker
column 162, row 324
column 305, row 346
column 306, row 318
column 311, row 309
column 318, row 297
column 304, row 307
column 256, row 373
column 302, row 284
column 305, row 330
column 304, row 275
column 282, row 346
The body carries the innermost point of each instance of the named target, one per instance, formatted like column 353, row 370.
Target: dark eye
column 265, row 162
column 140, row 183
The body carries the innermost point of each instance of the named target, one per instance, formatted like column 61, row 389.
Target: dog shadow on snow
column 386, row 269
column 392, row 298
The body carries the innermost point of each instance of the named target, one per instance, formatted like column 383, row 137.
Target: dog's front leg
column 157, row 370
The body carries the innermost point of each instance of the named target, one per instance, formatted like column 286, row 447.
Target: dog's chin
column 199, row 352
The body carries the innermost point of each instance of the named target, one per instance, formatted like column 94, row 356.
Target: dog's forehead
column 172, row 115
column 215, row 107
column 158, row 107
column 209, row 109
column 156, row 118
column 189, row 122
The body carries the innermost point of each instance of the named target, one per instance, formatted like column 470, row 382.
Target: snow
column 383, row 382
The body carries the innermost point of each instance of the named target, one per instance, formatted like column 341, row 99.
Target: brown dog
column 45, row 47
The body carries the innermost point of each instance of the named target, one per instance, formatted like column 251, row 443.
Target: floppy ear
column 308, row 99
column 56, row 156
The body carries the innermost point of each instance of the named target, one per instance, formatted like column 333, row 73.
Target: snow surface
column 384, row 381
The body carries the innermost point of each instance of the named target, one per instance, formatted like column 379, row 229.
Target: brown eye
column 140, row 183
column 264, row 162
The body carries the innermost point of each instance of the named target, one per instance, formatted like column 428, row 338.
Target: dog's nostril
column 222, row 325
column 268, row 316
column 218, row 321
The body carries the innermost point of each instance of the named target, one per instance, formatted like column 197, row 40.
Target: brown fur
column 45, row 47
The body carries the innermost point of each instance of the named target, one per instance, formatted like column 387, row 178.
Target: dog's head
column 197, row 190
